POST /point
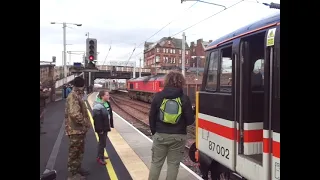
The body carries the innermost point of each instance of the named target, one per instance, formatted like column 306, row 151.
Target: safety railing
column 60, row 82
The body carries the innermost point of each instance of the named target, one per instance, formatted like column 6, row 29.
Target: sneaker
column 83, row 172
column 101, row 161
column 105, row 157
column 77, row 177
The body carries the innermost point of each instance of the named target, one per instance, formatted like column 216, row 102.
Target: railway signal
column 91, row 49
column 91, row 52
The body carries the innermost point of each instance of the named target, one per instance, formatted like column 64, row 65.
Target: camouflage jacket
column 76, row 114
column 43, row 97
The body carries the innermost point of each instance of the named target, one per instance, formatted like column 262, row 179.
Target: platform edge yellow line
column 110, row 169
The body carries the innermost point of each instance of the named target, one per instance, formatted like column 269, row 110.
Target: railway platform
column 128, row 149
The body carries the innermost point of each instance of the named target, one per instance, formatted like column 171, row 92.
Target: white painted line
column 55, row 150
column 184, row 166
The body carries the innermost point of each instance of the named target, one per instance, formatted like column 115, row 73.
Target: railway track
column 138, row 103
column 133, row 105
column 134, row 119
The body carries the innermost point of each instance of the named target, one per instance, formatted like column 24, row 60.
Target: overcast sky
column 124, row 24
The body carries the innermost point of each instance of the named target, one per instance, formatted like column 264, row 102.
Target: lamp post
column 64, row 25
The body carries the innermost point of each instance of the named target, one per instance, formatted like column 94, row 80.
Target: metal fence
column 190, row 90
column 58, row 94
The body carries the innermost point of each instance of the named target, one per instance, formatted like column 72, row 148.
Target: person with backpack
column 170, row 114
column 103, row 122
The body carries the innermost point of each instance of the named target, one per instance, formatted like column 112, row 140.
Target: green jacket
column 100, row 101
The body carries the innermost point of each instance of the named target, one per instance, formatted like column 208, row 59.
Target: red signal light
column 90, row 58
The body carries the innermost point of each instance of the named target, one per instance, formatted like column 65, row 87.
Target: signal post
column 90, row 60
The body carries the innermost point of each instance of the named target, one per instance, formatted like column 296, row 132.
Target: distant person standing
column 44, row 95
column 77, row 124
column 68, row 90
column 103, row 122
column 64, row 93
column 170, row 114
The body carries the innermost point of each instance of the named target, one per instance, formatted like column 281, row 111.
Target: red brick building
column 165, row 54
column 197, row 50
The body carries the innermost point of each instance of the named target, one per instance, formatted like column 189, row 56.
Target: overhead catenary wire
column 201, row 21
column 212, row 16
column 207, row 18
column 158, row 32
column 166, row 25
column 106, row 55
column 130, row 56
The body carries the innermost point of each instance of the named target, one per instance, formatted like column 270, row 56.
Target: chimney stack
column 199, row 41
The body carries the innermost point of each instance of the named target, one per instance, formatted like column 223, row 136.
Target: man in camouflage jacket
column 77, row 124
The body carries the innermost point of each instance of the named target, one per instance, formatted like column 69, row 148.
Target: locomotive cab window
column 226, row 70
column 211, row 83
column 161, row 84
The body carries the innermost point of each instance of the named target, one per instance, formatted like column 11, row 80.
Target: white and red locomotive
column 238, row 106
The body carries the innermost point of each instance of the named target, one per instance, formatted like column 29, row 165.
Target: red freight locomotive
column 143, row 88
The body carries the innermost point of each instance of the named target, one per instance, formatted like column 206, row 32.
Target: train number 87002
column 224, row 152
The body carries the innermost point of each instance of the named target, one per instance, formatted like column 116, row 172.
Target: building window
column 211, row 83
column 187, row 61
column 157, row 50
column 174, row 51
column 171, row 60
column 179, row 51
column 174, row 60
column 169, row 42
column 157, row 59
column 180, row 60
column 187, row 52
column 164, row 58
column 171, row 51
column 164, row 50
column 193, row 50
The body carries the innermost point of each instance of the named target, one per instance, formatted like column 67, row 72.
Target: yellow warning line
column 111, row 172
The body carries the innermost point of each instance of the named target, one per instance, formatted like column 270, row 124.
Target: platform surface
column 55, row 137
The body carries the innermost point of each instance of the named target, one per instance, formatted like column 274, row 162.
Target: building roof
column 205, row 44
column 177, row 43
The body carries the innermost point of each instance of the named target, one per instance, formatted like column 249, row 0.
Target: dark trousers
column 76, row 150
column 102, row 144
